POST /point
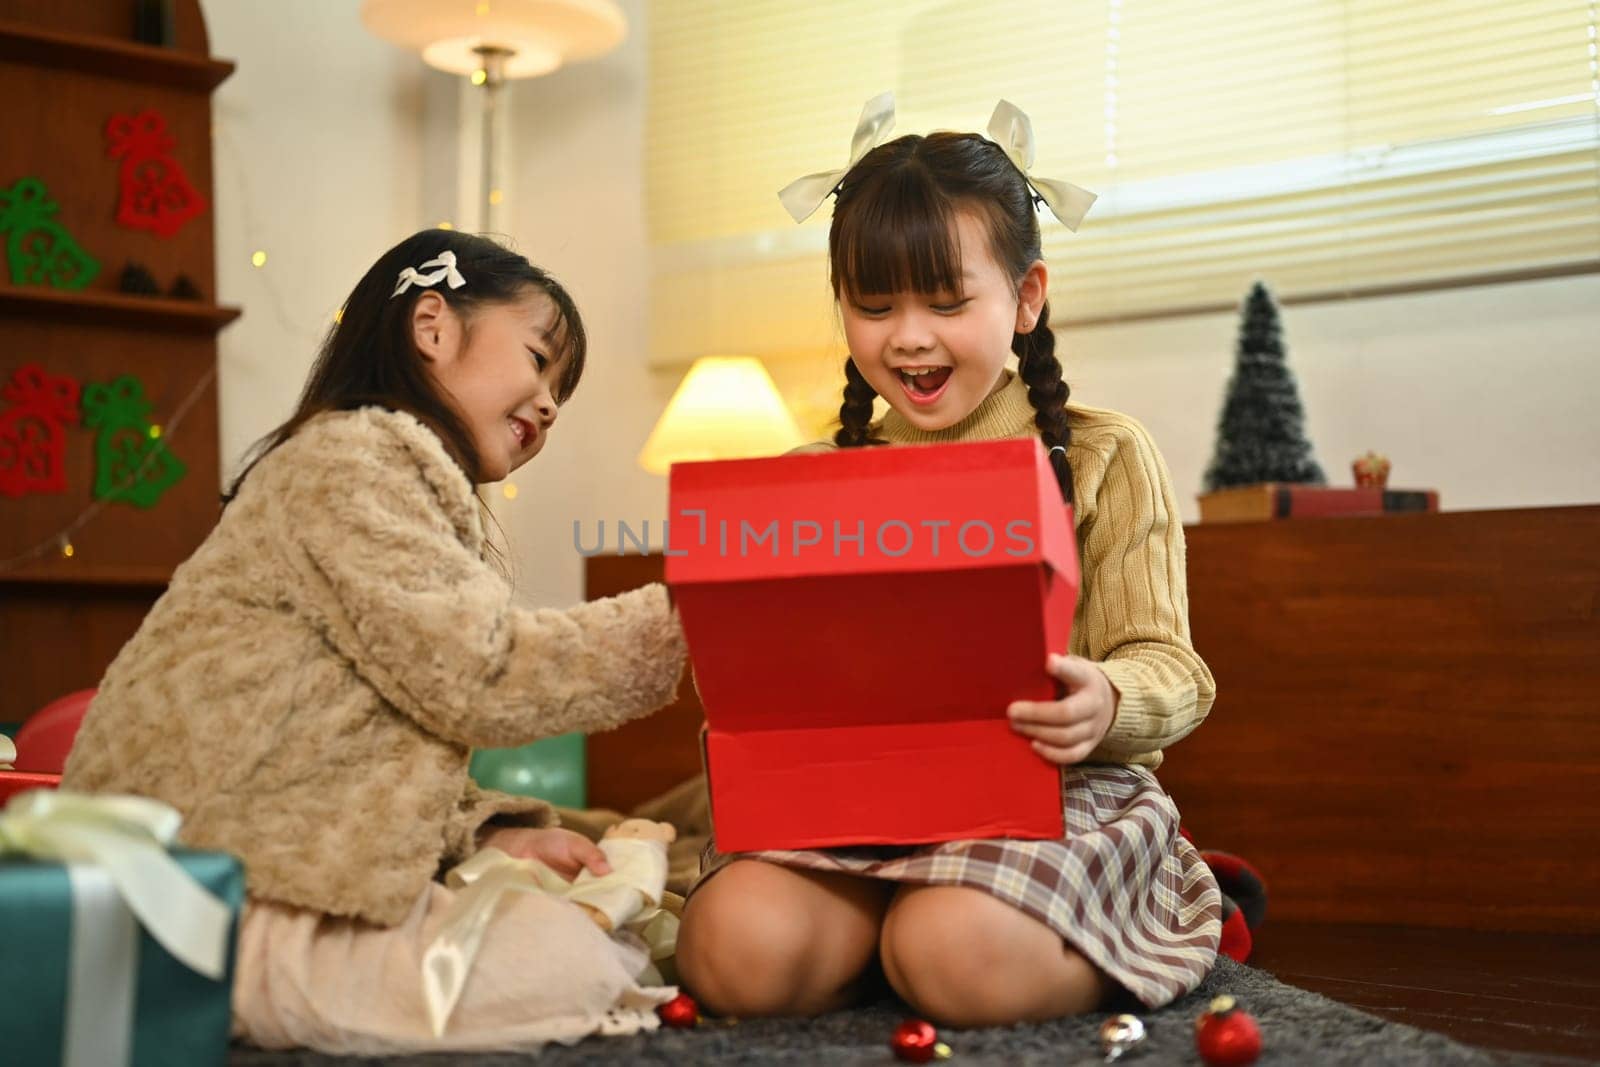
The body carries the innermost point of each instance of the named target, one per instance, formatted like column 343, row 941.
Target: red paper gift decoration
column 155, row 192
column 32, row 431
column 859, row 622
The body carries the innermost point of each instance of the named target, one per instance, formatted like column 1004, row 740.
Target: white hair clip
column 803, row 196
column 445, row 261
column 1011, row 130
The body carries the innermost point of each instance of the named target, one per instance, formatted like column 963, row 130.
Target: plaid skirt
column 1122, row 887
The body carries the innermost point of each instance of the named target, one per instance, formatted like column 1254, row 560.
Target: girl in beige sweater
column 936, row 266
column 309, row 689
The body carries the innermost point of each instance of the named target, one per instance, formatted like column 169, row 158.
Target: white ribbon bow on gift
column 127, row 838
column 445, row 261
column 803, row 196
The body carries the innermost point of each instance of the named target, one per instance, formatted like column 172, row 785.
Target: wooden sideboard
column 1408, row 722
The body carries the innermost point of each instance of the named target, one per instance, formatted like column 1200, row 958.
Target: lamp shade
column 540, row 35
column 725, row 408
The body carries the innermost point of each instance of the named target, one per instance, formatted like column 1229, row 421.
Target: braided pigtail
column 855, row 414
column 1047, row 392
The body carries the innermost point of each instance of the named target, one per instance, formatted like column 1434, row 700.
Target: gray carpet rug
column 1297, row 1027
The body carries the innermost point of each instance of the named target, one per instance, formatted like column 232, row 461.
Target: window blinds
column 1327, row 146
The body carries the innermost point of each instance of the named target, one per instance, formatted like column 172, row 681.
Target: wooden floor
column 1537, row 993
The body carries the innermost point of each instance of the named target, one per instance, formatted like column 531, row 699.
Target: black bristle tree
column 1261, row 436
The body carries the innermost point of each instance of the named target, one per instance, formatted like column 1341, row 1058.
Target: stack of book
column 1278, row 500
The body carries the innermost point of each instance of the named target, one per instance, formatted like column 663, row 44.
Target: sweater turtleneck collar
column 1004, row 413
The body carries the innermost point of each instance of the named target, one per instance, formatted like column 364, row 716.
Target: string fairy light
column 222, row 138
column 61, row 540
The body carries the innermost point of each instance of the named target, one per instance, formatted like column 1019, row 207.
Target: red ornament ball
column 680, row 1013
column 1226, row 1035
column 915, row 1041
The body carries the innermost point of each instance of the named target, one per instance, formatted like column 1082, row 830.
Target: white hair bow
column 445, row 261
column 803, row 196
column 1011, row 130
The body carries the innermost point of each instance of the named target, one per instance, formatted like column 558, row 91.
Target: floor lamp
column 490, row 41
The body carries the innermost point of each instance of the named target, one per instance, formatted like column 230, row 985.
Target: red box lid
column 896, row 498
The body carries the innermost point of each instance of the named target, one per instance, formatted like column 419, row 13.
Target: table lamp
column 725, row 408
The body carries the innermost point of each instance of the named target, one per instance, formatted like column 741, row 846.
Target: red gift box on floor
column 859, row 621
column 14, row 782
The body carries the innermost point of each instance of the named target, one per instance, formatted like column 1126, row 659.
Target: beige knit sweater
column 309, row 688
column 1133, row 604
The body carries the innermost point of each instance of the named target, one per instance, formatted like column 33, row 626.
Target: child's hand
column 1065, row 731
column 562, row 851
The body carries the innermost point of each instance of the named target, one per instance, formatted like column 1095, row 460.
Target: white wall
column 318, row 162
column 332, row 145
column 577, row 209
column 1487, row 394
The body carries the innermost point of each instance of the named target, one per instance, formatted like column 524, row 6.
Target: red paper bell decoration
column 154, row 192
column 680, row 1013
column 915, row 1041
column 33, row 431
column 1226, row 1035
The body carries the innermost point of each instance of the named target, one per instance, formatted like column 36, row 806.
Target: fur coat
column 309, row 689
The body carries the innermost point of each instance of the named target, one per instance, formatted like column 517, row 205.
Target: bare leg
column 760, row 939
column 965, row 958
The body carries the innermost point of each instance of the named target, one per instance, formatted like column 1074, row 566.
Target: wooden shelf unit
column 110, row 58
column 67, row 68
column 115, row 309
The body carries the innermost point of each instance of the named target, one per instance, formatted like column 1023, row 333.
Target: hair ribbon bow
column 1010, row 128
column 445, row 262
column 803, row 196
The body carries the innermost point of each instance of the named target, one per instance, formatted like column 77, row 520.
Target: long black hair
column 369, row 358
column 894, row 230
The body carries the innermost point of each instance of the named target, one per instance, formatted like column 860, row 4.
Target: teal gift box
column 85, row 983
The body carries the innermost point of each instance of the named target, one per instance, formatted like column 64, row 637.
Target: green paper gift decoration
column 39, row 249
column 132, row 464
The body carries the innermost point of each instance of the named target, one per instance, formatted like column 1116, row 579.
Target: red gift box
column 859, row 621
column 14, row 782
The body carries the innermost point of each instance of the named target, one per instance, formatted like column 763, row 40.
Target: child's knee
column 740, row 949
column 935, row 952
column 965, row 958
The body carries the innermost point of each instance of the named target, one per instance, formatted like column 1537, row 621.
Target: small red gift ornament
column 1371, row 471
column 680, row 1013
column 155, row 192
column 33, row 437
column 1226, row 1036
column 916, row 1041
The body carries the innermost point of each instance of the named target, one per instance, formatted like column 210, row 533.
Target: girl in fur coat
column 309, row 689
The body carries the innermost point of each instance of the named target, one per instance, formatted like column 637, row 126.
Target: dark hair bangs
column 900, row 236
column 570, row 340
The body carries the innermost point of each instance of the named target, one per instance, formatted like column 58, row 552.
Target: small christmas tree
column 1261, row 436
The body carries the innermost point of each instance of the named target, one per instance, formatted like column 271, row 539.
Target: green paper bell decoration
column 39, row 249
column 132, row 464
